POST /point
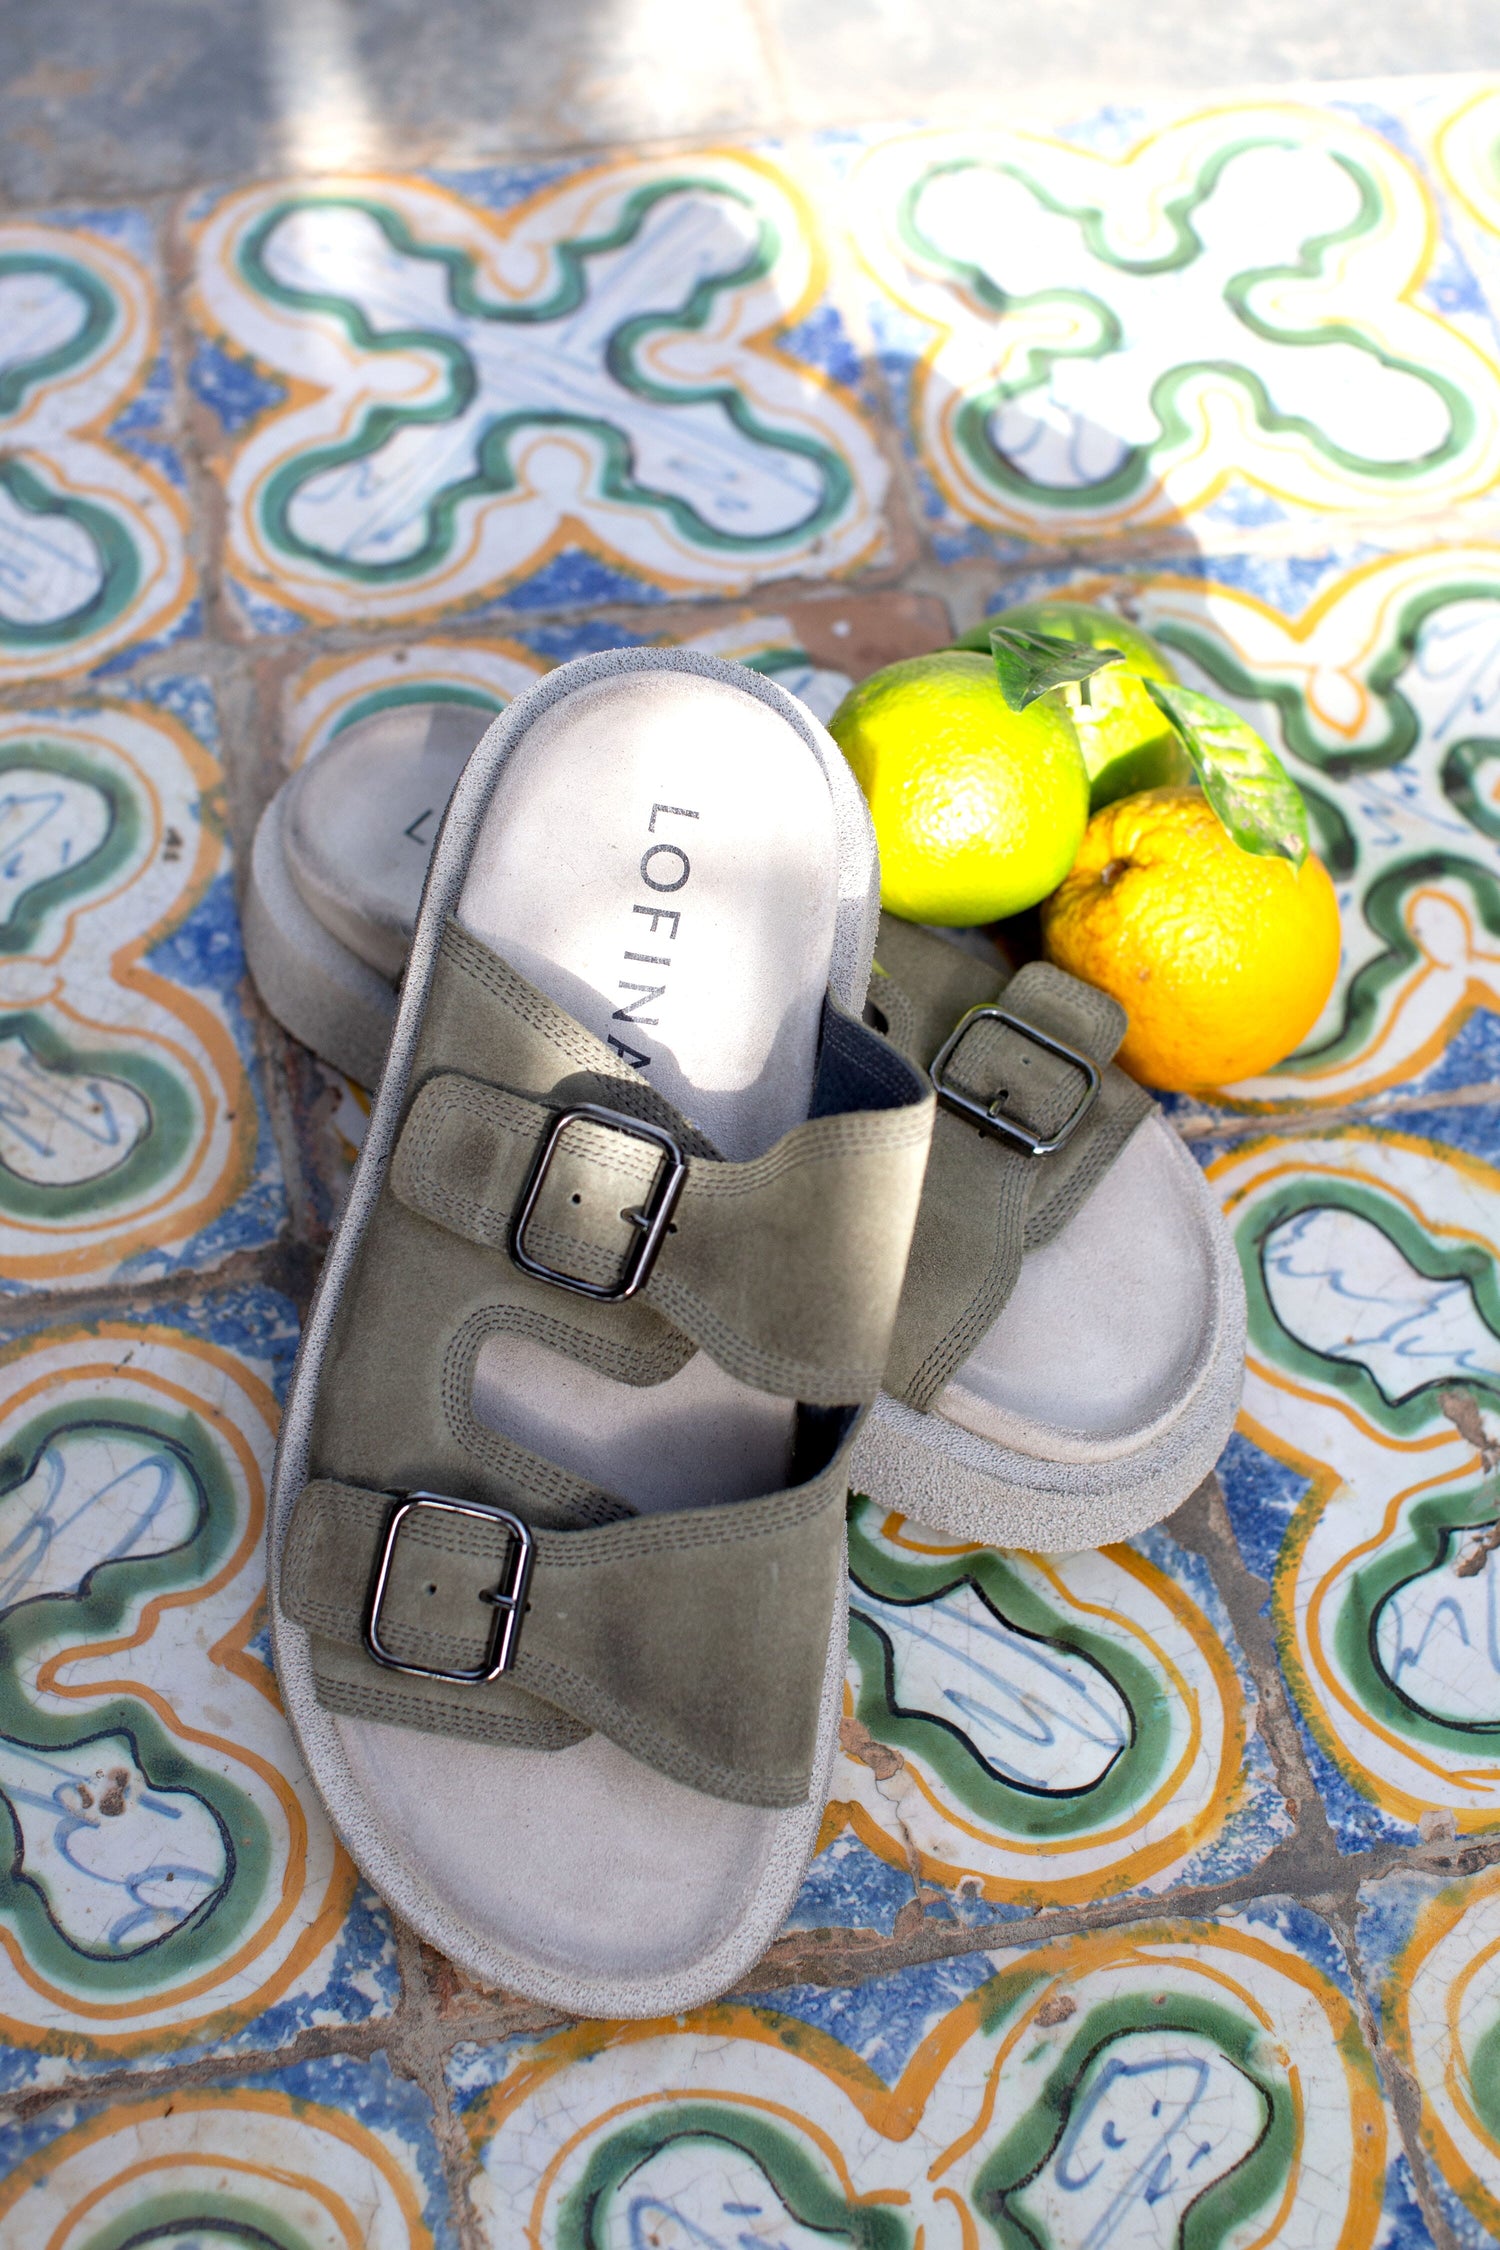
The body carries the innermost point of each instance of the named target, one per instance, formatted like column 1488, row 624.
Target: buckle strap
column 1031, row 1118
column 1001, row 1112
column 787, row 1269
column 653, row 1219
column 423, row 1312
column 696, row 1641
column 507, row 1597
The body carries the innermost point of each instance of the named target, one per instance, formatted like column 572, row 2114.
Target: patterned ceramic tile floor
column 1156, row 1899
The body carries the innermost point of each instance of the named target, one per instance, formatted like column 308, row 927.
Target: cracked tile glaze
column 1431, row 1951
column 1033, row 1730
column 318, row 2156
column 1362, row 1479
column 1097, row 2089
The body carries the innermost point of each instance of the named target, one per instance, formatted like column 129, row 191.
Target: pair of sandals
column 659, row 1242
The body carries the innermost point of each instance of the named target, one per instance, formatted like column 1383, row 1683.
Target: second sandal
column 1067, row 1361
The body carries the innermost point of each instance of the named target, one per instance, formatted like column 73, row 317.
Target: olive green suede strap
column 697, row 1641
column 987, row 1203
column 784, row 1269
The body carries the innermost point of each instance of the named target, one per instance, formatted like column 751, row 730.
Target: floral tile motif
column 622, row 383
column 1024, row 1731
column 173, row 1886
column 93, row 526
column 319, row 2156
column 1431, row 1954
column 133, row 1140
column 1361, row 1482
column 1094, row 2089
column 1377, row 677
column 1034, row 296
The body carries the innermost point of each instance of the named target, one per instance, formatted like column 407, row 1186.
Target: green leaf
column 1028, row 664
column 1242, row 777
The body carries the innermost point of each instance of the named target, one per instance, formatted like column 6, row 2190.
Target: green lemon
column 1126, row 742
column 979, row 810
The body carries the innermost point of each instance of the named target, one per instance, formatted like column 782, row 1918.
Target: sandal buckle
column 652, row 1221
column 993, row 1117
column 508, row 1599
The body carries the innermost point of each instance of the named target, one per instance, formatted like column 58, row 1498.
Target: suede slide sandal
column 1069, row 1354
column 557, row 1543
column 336, row 873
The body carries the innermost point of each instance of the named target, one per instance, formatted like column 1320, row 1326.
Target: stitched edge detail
column 615, row 1085
column 822, row 1141
column 525, row 1474
column 557, row 1683
column 774, row 1790
column 637, row 1536
column 390, row 1707
column 1095, row 1021
column 472, row 959
column 985, row 1306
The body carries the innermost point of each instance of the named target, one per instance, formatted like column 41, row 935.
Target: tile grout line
column 174, row 259
column 417, row 2051
column 800, row 1958
column 1400, row 2090
column 1202, row 1524
column 1247, row 1598
column 1483, row 1093
column 922, row 574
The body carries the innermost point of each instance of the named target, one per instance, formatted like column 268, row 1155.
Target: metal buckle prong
column 652, row 1222
column 508, row 1599
column 993, row 1116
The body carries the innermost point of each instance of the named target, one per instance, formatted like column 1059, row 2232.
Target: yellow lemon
column 1221, row 958
column 978, row 809
column 1127, row 743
